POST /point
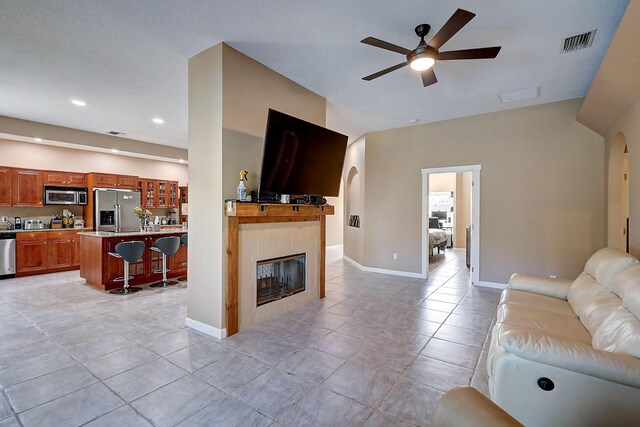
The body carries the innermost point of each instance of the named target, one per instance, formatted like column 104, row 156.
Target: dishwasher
column 7, row 255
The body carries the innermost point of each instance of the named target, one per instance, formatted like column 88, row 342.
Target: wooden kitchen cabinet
column 6, row 186
column 27, row 188
column 104, row 180
column 163, row 195
column 63, row 179
column 127, row 182
column 31, row 253
column 149, row 194
column 48, row 251
column 173, row 194
column 59, row 253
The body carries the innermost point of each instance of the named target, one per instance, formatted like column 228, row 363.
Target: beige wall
column 462, row 209
column 205, row 299
column 541, row 189
column 625, row 132
column 353, row 178
column 229, row 97
column 38, row 156
column 442, row 182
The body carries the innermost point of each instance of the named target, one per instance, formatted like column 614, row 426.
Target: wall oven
column 65, row 196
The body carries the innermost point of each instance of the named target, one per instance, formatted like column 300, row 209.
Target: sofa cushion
column 605, row 264
column 619, row 333
column 627, row 286
column 565, row 326
column 584, row 290
column 543, row 302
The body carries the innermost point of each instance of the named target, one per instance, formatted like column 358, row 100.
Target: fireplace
column 279, row 278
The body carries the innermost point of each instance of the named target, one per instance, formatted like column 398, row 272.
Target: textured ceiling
column 128, row 59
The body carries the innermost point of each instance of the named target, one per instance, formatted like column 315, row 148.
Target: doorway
column 618, row 195
column 448, row 205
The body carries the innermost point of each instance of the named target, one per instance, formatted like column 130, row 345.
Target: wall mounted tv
column 301, row 158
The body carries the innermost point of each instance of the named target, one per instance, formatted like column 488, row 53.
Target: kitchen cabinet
column 6, row 186
column 172, row 194
column 149, row 193
column 103, row 180
column 127, row 182
column 31, row 253
column 163, row 195
column 63, row 179
column 27, row 188
column 48, row 251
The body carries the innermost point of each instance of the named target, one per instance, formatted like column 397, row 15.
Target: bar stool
column 184, row 241
column 129, row 252
column 167, row 246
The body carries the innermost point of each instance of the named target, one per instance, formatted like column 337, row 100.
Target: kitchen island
column 100, row 269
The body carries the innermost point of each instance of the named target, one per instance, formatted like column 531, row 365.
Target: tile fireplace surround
column 257, row 232
column 272, row 240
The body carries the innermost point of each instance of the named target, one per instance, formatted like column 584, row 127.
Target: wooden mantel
column 259, row 213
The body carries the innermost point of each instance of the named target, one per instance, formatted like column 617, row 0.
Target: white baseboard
column 493, row 285
column 333, row 253
column 205, row 329
column 383, row 270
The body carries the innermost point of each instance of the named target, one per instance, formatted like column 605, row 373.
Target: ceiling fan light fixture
column 421, row 63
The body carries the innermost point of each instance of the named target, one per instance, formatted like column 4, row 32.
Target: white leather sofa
column 568, row 353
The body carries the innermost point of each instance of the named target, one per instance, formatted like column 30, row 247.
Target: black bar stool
column 184, row 241
column 167, row 246
column 129, row 252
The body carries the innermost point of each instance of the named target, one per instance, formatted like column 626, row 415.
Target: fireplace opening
column 279, row 278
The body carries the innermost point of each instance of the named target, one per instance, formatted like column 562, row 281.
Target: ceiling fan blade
column 385, row 71
column 428, row 77
column 480, row 53
column 458, row 20
column 372, row 41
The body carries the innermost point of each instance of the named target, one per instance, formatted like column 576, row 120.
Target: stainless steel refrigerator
column 114, row 210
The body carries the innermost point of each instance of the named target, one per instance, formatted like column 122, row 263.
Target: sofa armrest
column 556, row 288
column 573, row 356
column 467, row 407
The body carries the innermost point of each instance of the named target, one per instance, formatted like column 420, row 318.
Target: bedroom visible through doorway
column 449, row 229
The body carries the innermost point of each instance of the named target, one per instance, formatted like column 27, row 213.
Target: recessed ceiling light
column 78, row 102
column 181, row 160
column 37, row 139
column 158, row 120
column 414, row 121
column 113, row 150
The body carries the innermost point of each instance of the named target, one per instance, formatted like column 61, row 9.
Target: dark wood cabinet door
column 105, row 180
column 179, row 261
column 149, row 194
column 59, row 253
column 127, row 182
column 31, row 256
column 6, row 186
column 76, row 180
column 162, row 187
column 75, row 258
column 27, row 188
column 172, row 195
column 54, row 178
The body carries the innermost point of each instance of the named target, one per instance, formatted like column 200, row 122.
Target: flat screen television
column 301, row 158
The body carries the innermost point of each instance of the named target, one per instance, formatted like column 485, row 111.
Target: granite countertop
column 104, row 234
column 44, row 229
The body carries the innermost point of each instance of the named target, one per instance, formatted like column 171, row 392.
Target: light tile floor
column 377, row 351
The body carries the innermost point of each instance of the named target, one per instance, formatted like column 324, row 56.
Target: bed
column 437, row 238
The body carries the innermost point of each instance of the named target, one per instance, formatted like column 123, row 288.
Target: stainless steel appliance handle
column 117, row 217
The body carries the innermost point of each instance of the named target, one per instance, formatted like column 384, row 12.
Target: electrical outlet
column 395, row 256
column 553, row 276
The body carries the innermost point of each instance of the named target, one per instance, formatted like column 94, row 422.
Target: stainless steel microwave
column 65, row 196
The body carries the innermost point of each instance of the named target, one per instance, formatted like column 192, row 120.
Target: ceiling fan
column 425, row 55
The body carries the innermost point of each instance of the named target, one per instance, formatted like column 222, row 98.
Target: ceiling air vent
column 115, row 133
column 577, row 42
